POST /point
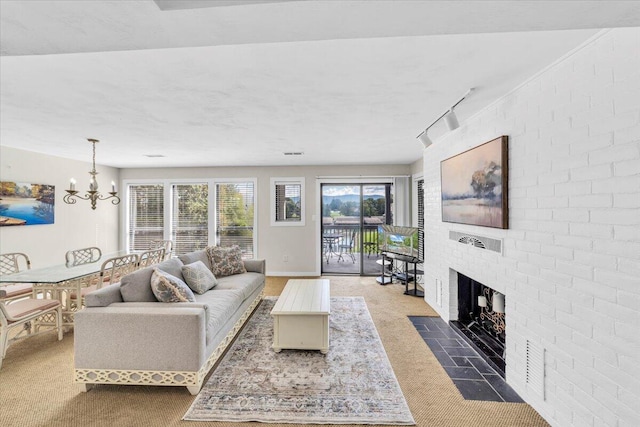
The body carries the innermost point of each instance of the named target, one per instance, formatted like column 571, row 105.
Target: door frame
column 369, row 180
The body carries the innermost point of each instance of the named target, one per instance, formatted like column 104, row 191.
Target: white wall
column 299, row 244
column 76, row 226
column 571, row 257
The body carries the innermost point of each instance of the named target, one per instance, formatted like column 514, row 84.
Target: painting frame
column 26, row 203
column 474, row 185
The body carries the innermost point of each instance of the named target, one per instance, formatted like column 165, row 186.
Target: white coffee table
column 301, row 316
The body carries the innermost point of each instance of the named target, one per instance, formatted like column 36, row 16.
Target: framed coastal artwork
column 474, row 185
column 23, row 203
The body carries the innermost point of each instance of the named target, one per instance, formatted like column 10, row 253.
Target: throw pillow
column 198, row 277
column 226, row 261
column 168, row 288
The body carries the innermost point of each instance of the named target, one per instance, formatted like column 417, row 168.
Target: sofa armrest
column 103, row 297
column 255, row 265
column 140, row 338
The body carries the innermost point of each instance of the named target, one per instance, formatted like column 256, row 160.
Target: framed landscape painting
column 23, row 203
column 475, row 184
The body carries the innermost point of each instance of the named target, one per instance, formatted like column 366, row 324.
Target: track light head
column 451, row 120
column 424, row 138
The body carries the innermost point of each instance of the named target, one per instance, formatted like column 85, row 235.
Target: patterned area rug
column 352, row 384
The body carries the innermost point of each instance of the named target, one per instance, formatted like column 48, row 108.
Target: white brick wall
column 570, row 266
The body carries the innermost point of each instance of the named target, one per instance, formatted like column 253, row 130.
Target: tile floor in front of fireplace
column 475, row 379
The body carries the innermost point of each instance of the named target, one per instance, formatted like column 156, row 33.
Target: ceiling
column 349, row 82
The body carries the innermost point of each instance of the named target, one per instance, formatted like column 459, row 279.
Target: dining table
column 330, row 243
column 60, row 282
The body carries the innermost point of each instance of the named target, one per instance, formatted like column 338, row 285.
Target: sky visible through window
column 352, row 190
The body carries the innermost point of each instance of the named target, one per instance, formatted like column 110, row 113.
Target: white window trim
column 272, row 209
column 168, row 208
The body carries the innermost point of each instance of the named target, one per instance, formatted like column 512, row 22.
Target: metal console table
column 405, row 277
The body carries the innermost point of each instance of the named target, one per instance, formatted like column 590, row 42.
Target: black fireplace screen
column 481, row 306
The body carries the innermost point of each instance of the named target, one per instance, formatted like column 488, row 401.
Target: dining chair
column 111, row 272
column 167, row 245
column 151, row 257
column 82, row 256
column 25, row 313
column 12, row 263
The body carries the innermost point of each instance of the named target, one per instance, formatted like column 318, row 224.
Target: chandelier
column 92, row 194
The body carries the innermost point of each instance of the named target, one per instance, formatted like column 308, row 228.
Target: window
column 146, row 216
column 287, row 201
column 421, row 219
column 193, row 215
column 189, row 224
column 235, row 216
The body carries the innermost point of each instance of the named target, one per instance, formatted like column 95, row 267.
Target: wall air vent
column 479, row 242
column 535, row 368
column 472, row 241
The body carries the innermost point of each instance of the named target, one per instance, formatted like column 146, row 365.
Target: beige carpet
column 36, row 387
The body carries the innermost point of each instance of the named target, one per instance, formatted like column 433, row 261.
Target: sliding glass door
column 351, row 214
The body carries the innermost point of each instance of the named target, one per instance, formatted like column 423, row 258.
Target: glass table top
column 58, row 273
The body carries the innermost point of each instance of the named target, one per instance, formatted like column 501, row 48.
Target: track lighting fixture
column 450, row 120
column 424, row 138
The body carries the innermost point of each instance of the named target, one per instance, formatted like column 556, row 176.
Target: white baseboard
column 293, row 273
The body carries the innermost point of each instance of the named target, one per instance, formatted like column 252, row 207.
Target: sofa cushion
column 226, row 261
column 136, row 287
column 191, row 257
column 221, row 306
column 198, row 277
column 168, row 288
column 246, row 283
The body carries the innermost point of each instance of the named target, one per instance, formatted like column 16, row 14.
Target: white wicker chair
column 151, row 257
column 21, row 314
column 111, row 271
column 167, row 245
column 12, row 263
column 83, row 256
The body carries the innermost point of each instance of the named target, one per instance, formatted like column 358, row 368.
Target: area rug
column 352, row 384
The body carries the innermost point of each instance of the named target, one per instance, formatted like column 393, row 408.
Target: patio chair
column 346, row 248
column 167, row 245
column 111, row 272
column 12, row 263
column 25, row 313
column 82, row 256
column 151, row 257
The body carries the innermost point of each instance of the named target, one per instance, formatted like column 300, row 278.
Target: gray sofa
column 124, row 336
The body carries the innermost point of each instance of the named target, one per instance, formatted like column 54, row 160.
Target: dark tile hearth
column 475, row 379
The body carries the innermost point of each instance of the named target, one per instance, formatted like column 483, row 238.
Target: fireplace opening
column 481, row 320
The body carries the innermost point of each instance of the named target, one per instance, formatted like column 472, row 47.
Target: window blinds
column 189, row 220
column 421, row 219
column 234, row 216
column 146, row 215
column 288, row 202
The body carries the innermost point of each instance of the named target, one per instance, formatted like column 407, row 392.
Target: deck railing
column 367, row 238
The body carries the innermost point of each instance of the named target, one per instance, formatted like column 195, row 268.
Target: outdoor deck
column 347, row 266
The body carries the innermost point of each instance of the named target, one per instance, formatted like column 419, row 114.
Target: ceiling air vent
column 154, row 155
column 479, row 242
column 293, row 153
